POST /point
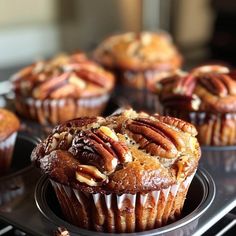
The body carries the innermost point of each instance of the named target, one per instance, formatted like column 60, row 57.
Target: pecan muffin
column 206, row 97
column 62, row 88
column 9, row 125
column 125, row 173
column 138, row 59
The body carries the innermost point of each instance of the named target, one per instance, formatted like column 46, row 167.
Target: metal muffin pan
column 12, row 184
column 200, row 196
column 21, row 156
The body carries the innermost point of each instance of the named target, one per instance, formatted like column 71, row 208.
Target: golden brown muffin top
column 127, row 152
column 206, row 88
column 9, row 124
column 63, row 76
column 144, row 51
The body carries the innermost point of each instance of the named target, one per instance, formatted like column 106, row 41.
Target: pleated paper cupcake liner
column 6, row 152
column 55, row 111
column 122, row 213
column 213, row 129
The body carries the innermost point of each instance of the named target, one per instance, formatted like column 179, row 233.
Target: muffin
column 138, row 59
column 62, row 88
column 128, row 172
column 206, row 97
column 9, row 125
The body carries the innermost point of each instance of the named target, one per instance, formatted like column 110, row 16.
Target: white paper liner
column 122, row 213
column 54, row 111
column 213, row 129
column 6, row 151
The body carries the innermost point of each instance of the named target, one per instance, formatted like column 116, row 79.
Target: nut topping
column 213, row 84
column 211, row 69
column 155, row 140
column 90, row 175
column 108, row 132
column 89, row 148
column 183, row 166
column 58, row 140
column 178, row 123
column 185, row 85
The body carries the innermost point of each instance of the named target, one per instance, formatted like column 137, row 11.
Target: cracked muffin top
column 64, row 76
column 206, row 88
column 127, row 152
column 9, row 124
column 137, row 52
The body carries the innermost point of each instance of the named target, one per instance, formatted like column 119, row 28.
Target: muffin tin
column 12, row 184
column 202, row 189
column 202, row 209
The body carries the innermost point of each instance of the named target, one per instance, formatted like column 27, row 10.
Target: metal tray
column 13, row 184
column 200, row 195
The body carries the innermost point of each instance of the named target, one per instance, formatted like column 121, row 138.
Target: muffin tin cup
column 13, row 182
column 6, row 151
column 214, row 129
column 55, row 111
column 122, row 213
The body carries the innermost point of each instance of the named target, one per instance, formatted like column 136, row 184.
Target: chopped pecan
column 178, row 123
column 154, row 138
column 58, row 140
column 213, row 84
column 182, row 166
column 90, row 175
column 61, row 231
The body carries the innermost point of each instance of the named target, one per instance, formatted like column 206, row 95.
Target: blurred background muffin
column 138, row 58
column 206, row 97
column 9, row 125
column 62, row 88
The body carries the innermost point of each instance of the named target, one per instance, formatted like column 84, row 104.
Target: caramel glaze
column 127, row 152
column 208, row 88
column 9, row 124
column 65, row 76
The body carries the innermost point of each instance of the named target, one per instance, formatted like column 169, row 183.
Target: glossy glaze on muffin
column 127, row 152
column 65, row 76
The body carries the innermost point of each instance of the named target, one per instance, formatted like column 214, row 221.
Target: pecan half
column 178, row 123
column 154, row 138
column 89, row 175
column 122, row 152
column 89, row 148
column 100, row 148
column 185, row 85
column 213, row 83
